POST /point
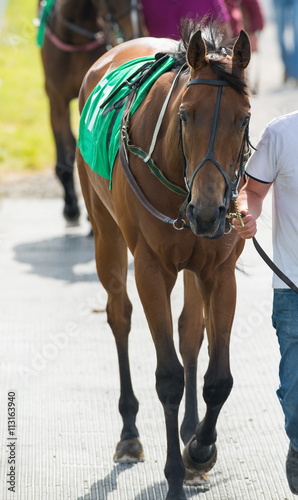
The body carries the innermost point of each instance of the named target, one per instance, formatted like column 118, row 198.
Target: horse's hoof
column 129, row 451
column 71, row 212
column 198, row 467
column 195, row 479
column 176, row 496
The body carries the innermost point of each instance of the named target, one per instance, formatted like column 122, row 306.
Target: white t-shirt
column 276, row 160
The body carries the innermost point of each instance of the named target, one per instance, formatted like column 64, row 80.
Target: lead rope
column 236, row 214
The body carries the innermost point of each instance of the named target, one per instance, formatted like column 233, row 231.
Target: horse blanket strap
column 272, row 266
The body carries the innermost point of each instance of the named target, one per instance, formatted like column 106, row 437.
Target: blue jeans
column 287, row 19
column 285, row 321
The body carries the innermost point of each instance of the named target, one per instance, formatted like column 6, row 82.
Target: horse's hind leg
column 111, row 263
column 65, row 152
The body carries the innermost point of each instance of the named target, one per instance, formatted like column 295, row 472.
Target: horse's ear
column 241, row 52
column 196, row 52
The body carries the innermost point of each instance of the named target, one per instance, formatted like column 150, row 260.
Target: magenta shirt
column 162, row 17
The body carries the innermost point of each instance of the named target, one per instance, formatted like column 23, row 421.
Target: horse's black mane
column 216, row 45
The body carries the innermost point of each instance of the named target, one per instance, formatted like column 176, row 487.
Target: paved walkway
column 58, row 357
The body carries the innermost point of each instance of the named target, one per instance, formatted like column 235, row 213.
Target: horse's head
column 214, row 116
column 123, row 16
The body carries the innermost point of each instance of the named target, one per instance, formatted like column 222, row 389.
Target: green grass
column 26, row 142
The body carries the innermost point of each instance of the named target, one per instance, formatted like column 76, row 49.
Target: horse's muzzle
column 208, row 222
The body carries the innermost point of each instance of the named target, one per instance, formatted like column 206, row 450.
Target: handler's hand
column 250, row 225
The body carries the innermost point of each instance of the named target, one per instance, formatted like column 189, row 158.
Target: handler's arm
column 250, row 202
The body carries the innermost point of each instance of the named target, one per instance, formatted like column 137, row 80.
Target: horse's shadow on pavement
column 157, row 491
column 68, row 257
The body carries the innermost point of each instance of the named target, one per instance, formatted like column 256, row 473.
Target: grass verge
column 26, row 142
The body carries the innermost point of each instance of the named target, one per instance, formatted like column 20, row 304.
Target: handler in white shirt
column 276, row 163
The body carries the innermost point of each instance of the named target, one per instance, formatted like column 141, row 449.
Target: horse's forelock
column 219, row 48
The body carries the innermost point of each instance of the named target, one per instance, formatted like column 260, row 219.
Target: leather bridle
column 231, row 191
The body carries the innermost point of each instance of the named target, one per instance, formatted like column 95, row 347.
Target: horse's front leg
column 65, row 152
column 111, row 264
column 155, row 284
column 219, row 303
column 191, row 332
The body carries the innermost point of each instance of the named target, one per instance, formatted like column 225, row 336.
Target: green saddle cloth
column 43, row 14
column 99, row 131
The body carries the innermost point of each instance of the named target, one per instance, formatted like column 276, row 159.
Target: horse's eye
column 245, row 122
column 182, row 115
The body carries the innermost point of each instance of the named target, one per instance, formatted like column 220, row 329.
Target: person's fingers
column 249, row 228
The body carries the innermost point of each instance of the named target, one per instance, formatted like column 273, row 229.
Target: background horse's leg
column 200, row 453
column 111, row 263
column 155, row 284
column 65, row 152
column 191, row 332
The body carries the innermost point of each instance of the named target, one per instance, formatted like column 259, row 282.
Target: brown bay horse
column 207, row 114
column 78, row 33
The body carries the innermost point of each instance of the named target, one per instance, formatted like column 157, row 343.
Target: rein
column 231, row 186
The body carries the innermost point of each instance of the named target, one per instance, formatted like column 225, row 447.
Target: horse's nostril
column 205, row 215
column 190, row 212
column 222, row 211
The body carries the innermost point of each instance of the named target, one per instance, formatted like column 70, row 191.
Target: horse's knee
column 119, row 316
column 170, row 385
column 216, row 391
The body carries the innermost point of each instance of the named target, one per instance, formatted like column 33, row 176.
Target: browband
column 218, row 83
